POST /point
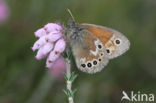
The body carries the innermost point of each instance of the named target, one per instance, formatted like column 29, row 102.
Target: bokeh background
column 23, row 79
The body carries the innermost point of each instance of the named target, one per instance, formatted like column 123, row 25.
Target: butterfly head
column 75, row 32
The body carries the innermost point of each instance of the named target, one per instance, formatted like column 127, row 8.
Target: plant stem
column 69, row 83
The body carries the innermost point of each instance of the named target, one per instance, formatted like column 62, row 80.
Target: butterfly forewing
column 115, row 42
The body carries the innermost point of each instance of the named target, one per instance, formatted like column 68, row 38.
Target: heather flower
column 39, row 33
column 4, row 11
column 50, row 44
column 52, row 37
column 43, row 51
column 59, row 48
column 52, row 27
column 39, row 43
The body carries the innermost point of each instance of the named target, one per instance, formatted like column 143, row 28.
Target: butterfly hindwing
column 89, row 52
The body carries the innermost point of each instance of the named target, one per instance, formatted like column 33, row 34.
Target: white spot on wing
column 96, row 51
column 82, row 59
column 97, row 42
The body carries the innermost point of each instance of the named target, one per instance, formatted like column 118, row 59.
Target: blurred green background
column 23, row 79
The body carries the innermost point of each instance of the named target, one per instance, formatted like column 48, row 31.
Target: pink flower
column 52, row 27
column 40, row 32
column 50, row 43
column 4, row 11
column 52, row 37
column 43, row 51
column 58, row 68
column 59, row 48
column 39, row 43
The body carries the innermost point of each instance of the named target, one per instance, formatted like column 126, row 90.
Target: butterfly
column 94, row 45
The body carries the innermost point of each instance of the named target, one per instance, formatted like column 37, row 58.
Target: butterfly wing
column 89, row 52
column 114, row 42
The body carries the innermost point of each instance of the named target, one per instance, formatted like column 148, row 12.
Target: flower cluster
column 50, row 44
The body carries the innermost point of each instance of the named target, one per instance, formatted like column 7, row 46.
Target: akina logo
column 138, row 97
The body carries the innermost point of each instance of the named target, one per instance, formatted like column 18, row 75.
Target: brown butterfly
column 93, row 45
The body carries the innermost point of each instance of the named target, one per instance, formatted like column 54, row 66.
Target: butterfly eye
column 108, row 51
column 117, row 41
column 89, row 65
column 83, row 65
column 99, row 46
column 94, row 62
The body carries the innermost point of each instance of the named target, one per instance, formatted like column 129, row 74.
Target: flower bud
column 51, row 58
column 60, row 46
column 39, row 54
column 40, row 32
column 39, row 43
column 51, row 27
column 43, row 51
column 52, row 37
column 47, row 48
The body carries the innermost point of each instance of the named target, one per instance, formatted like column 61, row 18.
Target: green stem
column 69, row 83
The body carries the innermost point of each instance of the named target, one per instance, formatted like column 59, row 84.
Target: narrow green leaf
column 69, row 93
column 71, row 76
column 65, row 92
column 74, row 77
column 65, row 76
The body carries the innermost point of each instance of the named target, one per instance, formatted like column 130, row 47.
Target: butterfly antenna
column 71, row 14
